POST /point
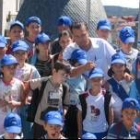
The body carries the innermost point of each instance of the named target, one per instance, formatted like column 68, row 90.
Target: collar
column 9, row 83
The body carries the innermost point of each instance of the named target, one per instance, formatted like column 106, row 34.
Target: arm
column 81, row 69
column 111, row 116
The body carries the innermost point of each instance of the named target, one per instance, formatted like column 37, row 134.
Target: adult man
column 99, row 51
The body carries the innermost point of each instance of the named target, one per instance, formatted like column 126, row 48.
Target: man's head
column 104, row 29
column 61, row 70
column 81, row 34
column 64, row 23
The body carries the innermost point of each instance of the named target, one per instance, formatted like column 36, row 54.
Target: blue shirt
column 119, row 131
column 77, row 86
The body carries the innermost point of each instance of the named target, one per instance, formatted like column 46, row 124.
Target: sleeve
column 112, row 102
column 110, row 51
column 36, row 83
column 133, row 91
column 111, row 133
column 35, row 73
column 68, row 51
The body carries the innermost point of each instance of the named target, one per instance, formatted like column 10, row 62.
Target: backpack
column 83, row 102
column 36, row 99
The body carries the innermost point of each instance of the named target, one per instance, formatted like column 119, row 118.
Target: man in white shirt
column 99, row 51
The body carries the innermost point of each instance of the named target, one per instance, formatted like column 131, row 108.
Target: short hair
column 79, row 25
column 65, row 33
column 62, row 65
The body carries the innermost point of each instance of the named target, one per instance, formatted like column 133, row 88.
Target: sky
column 123, row 3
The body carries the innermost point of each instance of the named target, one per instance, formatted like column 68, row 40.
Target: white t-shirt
column 14, row 90
column 117, row 106
column 130, row 58
column 95, row 120
column 100, row 53
column 26, row 73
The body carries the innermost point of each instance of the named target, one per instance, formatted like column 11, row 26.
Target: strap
column 118, row 89
column 83, row 105
column 107, row 97
column 65, row 91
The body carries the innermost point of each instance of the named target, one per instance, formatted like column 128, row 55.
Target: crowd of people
column 72, row 87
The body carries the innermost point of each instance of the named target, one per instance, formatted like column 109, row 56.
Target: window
column 19, row 4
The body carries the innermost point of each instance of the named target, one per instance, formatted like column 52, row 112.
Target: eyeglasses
column 20, row 53
column 11, row 67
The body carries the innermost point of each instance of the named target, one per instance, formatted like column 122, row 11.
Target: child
column 94, row 109
column 54, row 95
column 77, row 86
column 64, row 24
column 117, row 85
column 33, row 28
column 126, row 129
column 42, row 59
column 127, row 39
column 65, row 39
column 16, row 32
column 24, row 72
column 3, row 48
column 12, row 126
column 53, row 125
column 11, row 93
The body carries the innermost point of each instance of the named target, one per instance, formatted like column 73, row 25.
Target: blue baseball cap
column 118, row 59
column 33, row 19
column 12, row 123
column 42, row 38
column 20, row 45
column 64, row 20
column 17, row 23
column 89, row 136
column 8, row 60
column 54, row 118
column 80, row 56
column 130, row 103
column 127, row 35
column 96, row 73
column 104, row 25
column 3, row 41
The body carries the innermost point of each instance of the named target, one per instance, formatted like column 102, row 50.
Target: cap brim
column 55, row 122
column 82, row 61
column 13, row 129
column 20, row 49
column 105, row 28
column 9, row 63
column 118, row 61
column 130, row 40
column 2, row 45
column 96, row 76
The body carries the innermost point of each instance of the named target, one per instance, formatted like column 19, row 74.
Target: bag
column 83, row 102
column 36, row 99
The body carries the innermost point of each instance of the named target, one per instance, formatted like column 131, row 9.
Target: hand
column 128, row 77
column 89, row 66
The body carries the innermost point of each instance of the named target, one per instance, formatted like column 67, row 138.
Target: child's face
column 60, row 76
column 16, row 33
column 9, row 71
column 65, row 41
column 43, row 48
column 118, row 68
column 34, row 29
column 129, row 116
column 21, row 56
column 127, row 46
column 2, row 52
column 53, row 131
column 103, row 34
column 96, row 82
